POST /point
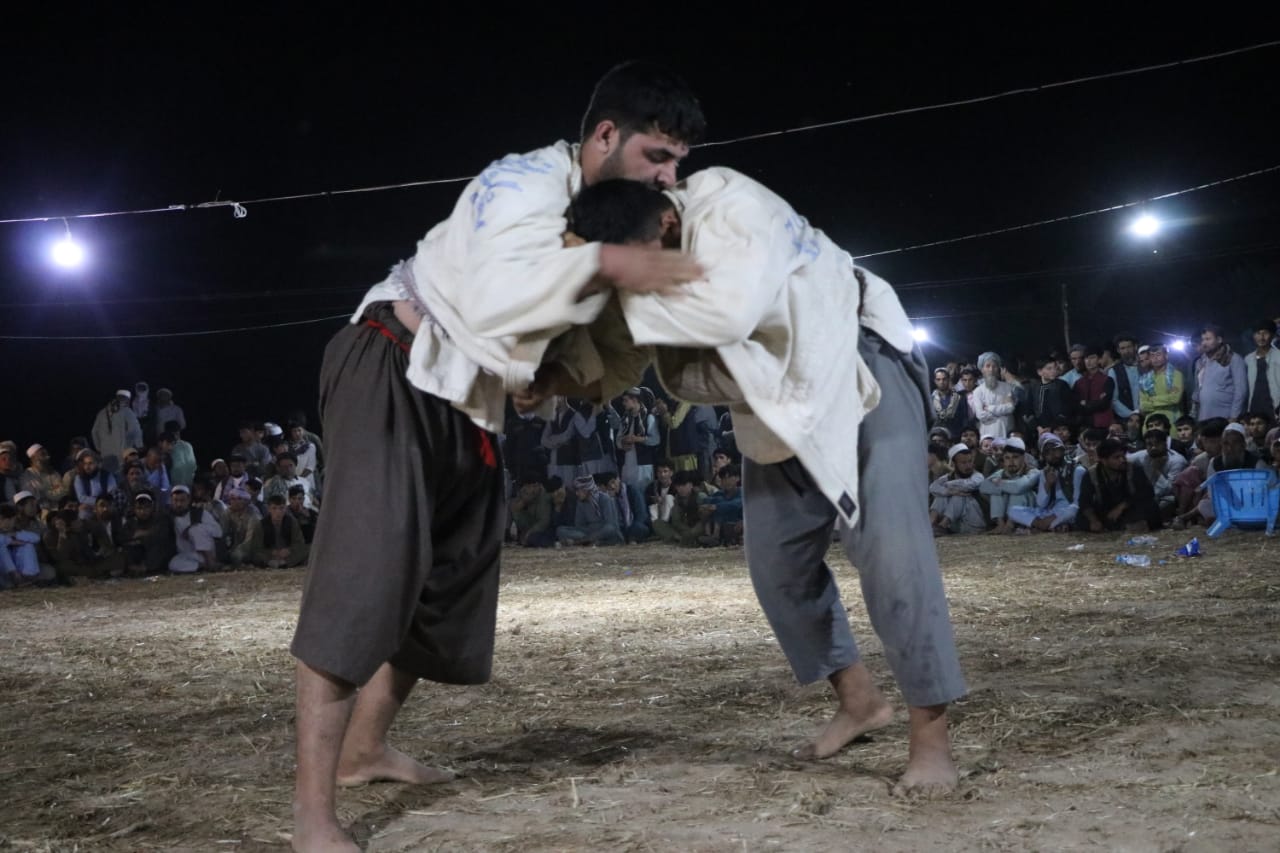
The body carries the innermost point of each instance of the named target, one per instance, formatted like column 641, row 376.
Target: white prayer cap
column 956, row 450
column 1235, row 428
column 273, row 429
column 33, row 450
column 176, row 489
column 21, row 496
column 128, row 395
column 1143, row 348
column 990, row 436
column 1015, row 443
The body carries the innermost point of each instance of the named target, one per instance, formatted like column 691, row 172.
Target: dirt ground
column 640, row 703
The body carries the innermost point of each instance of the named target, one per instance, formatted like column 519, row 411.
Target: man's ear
column 605, row 137
column 670, row 225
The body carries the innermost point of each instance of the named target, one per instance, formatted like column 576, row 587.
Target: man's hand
column 642, row 270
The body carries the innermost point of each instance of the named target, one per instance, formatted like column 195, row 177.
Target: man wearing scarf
column 1115, row 494
column 993, row 400
column 1222, row 384
column 1125, row 374
column 595, row 520
column 950, row 409
column 1160, row 388
column 1012, row 485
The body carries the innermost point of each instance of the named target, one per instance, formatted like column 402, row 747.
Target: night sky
column 113, row 113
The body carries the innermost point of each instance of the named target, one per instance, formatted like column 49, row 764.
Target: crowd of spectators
column 131, row 498
column 1103, row 438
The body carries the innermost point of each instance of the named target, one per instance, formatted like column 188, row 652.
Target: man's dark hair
column 690, row 477
column 529, row 478
column 1158, row 418
column 731, row 470
column 643, row 96
column 664, row 463
column 291, row 456
column 297, row 490
column 553, row 484
column 1213, row 428
column 166, row 436
column 277, row 500
column 971, row 371
column 1264, row 326
column 618, row 211
column 172, row 426
column 1123, row 336
column 8, row 511
column 1044, row 360
column 1185, row 420
column 1094, row 434
column 938, row 451
column 603, row 479
column 1158, row 434
column 1110, row 447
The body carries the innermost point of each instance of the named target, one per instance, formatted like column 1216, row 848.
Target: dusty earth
column 640, row 703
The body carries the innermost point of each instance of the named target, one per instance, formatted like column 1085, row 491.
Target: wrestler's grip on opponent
column 632, row 268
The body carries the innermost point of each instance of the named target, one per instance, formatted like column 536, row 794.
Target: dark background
column 111, row 111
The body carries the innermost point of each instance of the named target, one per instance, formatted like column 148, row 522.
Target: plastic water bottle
column 1143, row 540
column 1134, row 559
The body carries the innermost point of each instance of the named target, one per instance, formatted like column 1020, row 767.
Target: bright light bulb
column 920, row 333
column 68, row 253
column 1179, row 345
column 1145, row 225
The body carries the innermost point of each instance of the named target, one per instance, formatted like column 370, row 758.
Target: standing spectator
column 691, row 436
column 307, row 452
column 1095, row 391
column 993, row 401
column 181, row 455
column 1161, row 388
column 1262, row 371
column 638, row 439
column 1051, row 399
column 167, row 411
column 141, row 401
column 522, row 450
column 1125, row 374
column 42, row 479
column 1144, row 359
column 950, row 409
column 560, row 437
column 256, row 455
column 1222, row 383
column 115, row 428
column 1076, row 357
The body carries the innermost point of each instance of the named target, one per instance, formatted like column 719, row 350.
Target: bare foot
column 862, row 709
column 930, row 771
column 320, row 833
column 391, row 765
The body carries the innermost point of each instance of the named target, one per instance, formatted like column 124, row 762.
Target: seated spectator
column 563, row 513
column 19, row 563
column 135, row 483
column 955, row 507
column 1014, row 484
column 218, row 473
column 1055, row 506
column 72, row 551
column 658, row 494
column 157, row 477
column 1162, row 466
column 595, row 518
column 202, row 497
column 90, row 482
column 1234, row 456
column 146, row 539
column 936, row 456
column 633, row 517
column 196, row 533
column 1115, row 494
column 70, row 461
column 11, row 472
column 254, row 487
column 306, row 517
column 101, row 540
column 1257, row 425
column 1188, row 487
column 286, row 477
column 277, row 542
column 42, row 479
column 240, row 521
column 679, row 520
column 531, row 509
column 28, row 513
column 1184, row 437
column 722, row 511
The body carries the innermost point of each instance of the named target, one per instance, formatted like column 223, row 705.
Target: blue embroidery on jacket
column 501, row 175
column 802, row 239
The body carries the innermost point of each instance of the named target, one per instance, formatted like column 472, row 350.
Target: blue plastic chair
column 1247, row 498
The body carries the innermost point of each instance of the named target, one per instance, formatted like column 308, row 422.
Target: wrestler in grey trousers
column 788, row 531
